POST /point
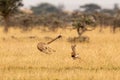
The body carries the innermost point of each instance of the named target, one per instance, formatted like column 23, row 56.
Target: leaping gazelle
column 73, row 53
column 44, row 47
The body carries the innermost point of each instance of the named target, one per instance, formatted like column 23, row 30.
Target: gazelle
column 43, row 47
column 73, row 53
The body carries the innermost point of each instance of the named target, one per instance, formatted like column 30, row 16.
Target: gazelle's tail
column 54, row 39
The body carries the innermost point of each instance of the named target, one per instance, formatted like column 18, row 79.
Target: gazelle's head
column 73, row 46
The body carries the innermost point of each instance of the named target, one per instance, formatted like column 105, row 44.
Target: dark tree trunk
column 80, row 32
column 114, row 29
column 115, row 25
column 101, row 28
column 6, row 19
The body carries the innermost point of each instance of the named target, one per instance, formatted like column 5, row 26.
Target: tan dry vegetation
column 20, row 59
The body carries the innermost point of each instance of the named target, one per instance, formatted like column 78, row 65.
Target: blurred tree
column 45, row 8
column 81, row 23
column 116, row 7
column 111, row 11
column 7, row 8
column 107, row 11
column 90, row 8
column 61, row 7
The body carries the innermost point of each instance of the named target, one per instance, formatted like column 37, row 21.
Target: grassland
column 20, row 59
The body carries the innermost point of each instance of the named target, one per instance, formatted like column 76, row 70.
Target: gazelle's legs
column 48, row 50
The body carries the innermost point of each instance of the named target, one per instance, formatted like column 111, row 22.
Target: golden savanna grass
column 21, row 60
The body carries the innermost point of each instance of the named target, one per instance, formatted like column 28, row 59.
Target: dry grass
column 20, row 59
